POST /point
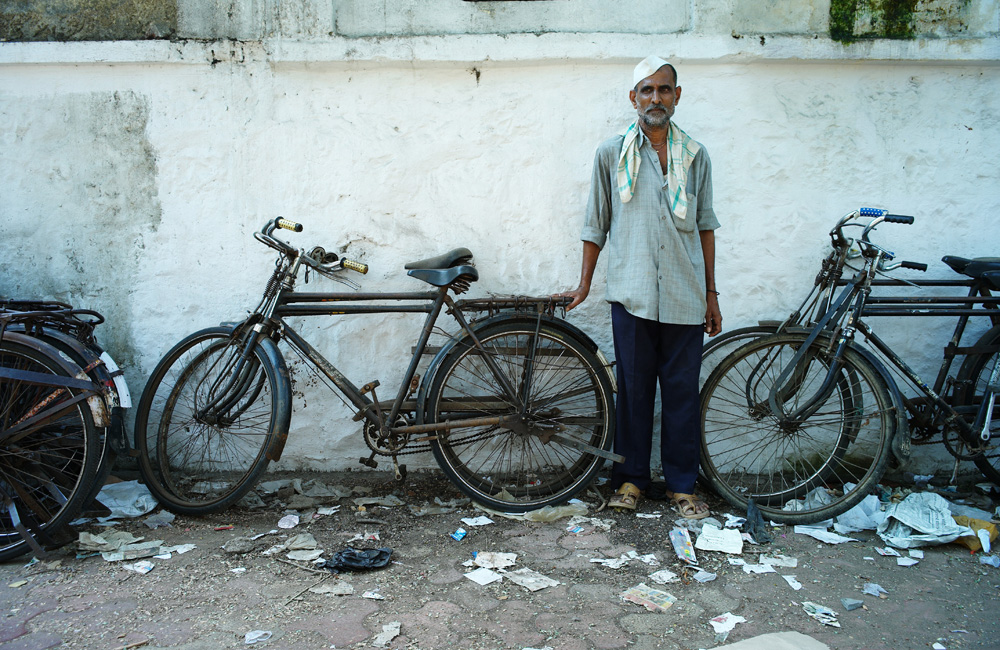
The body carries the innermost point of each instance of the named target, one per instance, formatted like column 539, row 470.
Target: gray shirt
column 656, row 268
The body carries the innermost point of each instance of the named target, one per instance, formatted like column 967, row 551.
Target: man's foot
column 626, row 497
column 689, row 506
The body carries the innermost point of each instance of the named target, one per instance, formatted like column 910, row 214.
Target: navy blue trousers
column 647, row 351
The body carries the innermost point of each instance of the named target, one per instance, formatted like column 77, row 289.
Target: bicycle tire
column 823, row 466
column 196, row 463
column 570, row 400
column 47, row 470
column 973, row 376
column 718, row 348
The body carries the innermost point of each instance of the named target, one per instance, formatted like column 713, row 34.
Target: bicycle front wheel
column 561, row 412
column 974, row 376
column 797, row 472
column 207, row 422
column 48, row 448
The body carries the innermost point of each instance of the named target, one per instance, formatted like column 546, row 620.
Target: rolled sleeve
column 597, row 220
column 702, row 172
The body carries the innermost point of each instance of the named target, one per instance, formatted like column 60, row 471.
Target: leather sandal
column 626, row 497
column 686, row 506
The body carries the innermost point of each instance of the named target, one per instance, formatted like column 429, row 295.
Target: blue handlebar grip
column 872, row 212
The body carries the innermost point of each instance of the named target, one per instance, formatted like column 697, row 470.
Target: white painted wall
column 132, row 175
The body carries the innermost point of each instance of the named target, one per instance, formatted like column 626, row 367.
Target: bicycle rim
column 532, row 464
column 199, row 460
column 977, row 371
column 46, row 473
column 798, row 473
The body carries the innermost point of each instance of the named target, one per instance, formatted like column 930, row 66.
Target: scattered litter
column 459, row 534
column 602, row 524
column 921, row 519
column 180, row 549
column 373, row 595
column 824, row 615
column 755, row 523
column 992, row 560
column 726, row 540
column 142, row 566
column 983, row 533
column 822, row 534
column 226, row 527
column 239, row 545
column 256, row 636
column 530, row 580
column 491, row 560
column 388, row 633
column 19, row 583
column 288, row 521
column 865, row 516
column 133, row 551
column 816, row 498
column 779, row 560
column 648, row 558
column 336, row 588
column 792, row 582
column 664, row 576
column 705, row 576
column 259, row 535
column 984, row 539
column 681, row 540
column 726, row 622
column 575, row 530
column 274, row 549
column 732, row 521
column 888, row 550
column 477, row 521
column 648, row 515
column 305, row 555
column 162, row 519
column 354, row 560
column 961, row 510
column 612, row 562
column 652, row 599
column 906, row 561
column 365, row 537
column 574, row 508
column 737, row 561
column 483, row 576
column 326, row 511
column 696, row 525
column 916, row 553
column 126, row 499
column 869, row 558
column 938, row 646
column 300, row 542
column 874, row 589
column 851, row 604
column 758, row 568
column 389, row 501
column 239, row 569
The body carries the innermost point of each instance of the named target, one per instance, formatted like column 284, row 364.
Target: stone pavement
column 210, row 597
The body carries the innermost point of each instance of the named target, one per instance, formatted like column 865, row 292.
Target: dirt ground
column 214, row 595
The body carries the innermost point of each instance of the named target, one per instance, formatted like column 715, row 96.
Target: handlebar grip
column 898, row 218
column 916, row 266
column 288, row 224
column 354, row 266
column 872, row 212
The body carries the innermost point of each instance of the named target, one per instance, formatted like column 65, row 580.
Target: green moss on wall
column 87, row 20
column 852, row 20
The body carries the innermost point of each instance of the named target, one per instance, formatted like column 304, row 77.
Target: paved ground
column 210, row 598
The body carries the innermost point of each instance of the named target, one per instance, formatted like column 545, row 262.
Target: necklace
column 657, row 147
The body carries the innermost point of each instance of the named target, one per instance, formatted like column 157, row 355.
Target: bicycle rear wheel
column 48, row 447
column 207, row 422
column 974, row 375
column 540, row 457
column 717, row 349
column 796, row 473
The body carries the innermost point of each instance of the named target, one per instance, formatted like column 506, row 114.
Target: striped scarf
column 681, row 151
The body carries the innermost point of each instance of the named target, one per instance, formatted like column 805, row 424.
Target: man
column 651, row 192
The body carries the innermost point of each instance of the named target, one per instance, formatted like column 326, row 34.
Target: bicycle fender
column 556, row 323
column 900, row 442
column 282, row 395
column 95, row 402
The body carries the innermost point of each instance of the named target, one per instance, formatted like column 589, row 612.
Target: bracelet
column 712, row 291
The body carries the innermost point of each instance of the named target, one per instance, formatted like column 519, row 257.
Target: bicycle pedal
column 368, row 462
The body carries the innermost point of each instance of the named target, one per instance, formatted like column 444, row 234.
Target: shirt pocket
column 689, row 223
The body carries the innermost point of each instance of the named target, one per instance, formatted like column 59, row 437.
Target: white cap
column 647, row 67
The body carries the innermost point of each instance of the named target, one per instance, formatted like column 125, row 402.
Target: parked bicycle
column 802, row 417
column 62, row 399
column 516, row 406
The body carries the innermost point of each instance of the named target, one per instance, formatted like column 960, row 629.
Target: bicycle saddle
column 973, row 268
column 993, row 278
column 454, row 257
column 462, row 276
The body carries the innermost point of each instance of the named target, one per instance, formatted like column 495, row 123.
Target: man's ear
column 631, row 97
column 677, row 94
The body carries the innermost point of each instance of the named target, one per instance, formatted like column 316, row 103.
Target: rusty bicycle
column 516, row 405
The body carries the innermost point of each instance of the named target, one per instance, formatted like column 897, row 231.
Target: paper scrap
column 705, row 576
column 142, row 566
column 483, row 576
column 645, row 515
column 491, row 560
column 824, row 615
column 726, row 622
column 917, row 553
column 681, row 541
column 652, row 599
column 887, row 551
column 389, row 632
column 906, row 561
column 530, row 580
column 481, row 520
column 874, row 589
column 664, row 576
column 822, row 534
column 779, row 560
column 373, row 595
column 726, row 540
column 288, row 521
column 758, row 568
column 336, row 588
column 792, row 582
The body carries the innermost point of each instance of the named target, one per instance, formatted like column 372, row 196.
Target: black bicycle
column 516, row 405
column 803, row 418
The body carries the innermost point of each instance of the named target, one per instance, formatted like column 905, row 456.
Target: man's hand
column 578, row 295
column 713, row 316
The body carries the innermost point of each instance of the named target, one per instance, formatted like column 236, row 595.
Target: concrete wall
column 132, row 174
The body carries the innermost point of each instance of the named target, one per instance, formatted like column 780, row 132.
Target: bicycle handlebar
column 288, row 224
column 316, row 261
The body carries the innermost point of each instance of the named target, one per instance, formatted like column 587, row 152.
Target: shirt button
column 661, row 248
column 661, row 277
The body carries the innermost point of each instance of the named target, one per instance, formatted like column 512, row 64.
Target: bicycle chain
column 419, row 448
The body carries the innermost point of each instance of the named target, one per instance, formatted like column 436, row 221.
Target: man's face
column 655, row 97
